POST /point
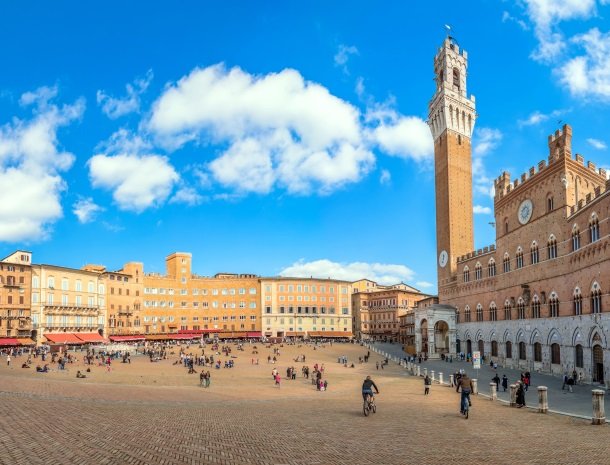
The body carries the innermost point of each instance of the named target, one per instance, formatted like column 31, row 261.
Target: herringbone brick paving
column 154, row 413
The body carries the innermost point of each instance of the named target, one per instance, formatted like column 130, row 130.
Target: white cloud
column 506, row 16
column 385, row 177
column 597, row 144
column 486, row 140
column 138, row 179
column 31, row 162
column 398, row 135
column 117, row 107
column 538, row 117
column 546, row 15
column 478, row 210
column 588, row 75
column 378, row 272
column 187, row 195
column 86, row 209
column 280, row 130
column 423, row 284
column 342, row 56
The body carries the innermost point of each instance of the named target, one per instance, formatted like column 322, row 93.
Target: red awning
column 89, row 337
column 9, row 341
column 62, row 338
column 182, row 337
column 255, row 334
column 127, row 338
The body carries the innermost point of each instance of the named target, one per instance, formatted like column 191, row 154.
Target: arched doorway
column 34, row 334
column 424, row 336
column 598, row 364
column 441, row 337
column 482, row 348
column 458, row 346
column 469, row 347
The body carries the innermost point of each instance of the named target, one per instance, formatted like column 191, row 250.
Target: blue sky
column 274, row 138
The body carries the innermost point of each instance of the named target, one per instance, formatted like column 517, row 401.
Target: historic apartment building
column 295, row 307
column 68, row 305
column 181, row 300
column 378, row 309
column 15, row 295
column 538, row 298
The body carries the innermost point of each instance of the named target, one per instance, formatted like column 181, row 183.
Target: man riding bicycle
column 367, row 388
column 466, row 384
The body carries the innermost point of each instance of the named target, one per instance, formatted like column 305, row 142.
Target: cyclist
column 466, row 384
column 367, row 386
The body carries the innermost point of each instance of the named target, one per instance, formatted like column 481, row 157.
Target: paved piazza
column 155, row 413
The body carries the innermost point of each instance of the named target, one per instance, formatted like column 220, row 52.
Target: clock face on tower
column 443, row 258
column 525, row 211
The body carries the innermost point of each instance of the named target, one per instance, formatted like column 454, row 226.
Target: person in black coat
column 504, row 383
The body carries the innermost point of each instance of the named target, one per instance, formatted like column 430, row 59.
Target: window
column 594, row 228
column 493, row 312
column 64, row 284
column 549, row 204
column 575, row 238
column 253, row 290
column 521, row 310
column 51, row 282
column 90, row 287
column 519, row 258
column 456, row 78
column 506, row 263
column 534, row 253
column 35, row 282
column 596, row 299
column 509, row 349
column 555, row 354
column 536, row 307
column 507, row 311
column 466, row 274
column 537, row 352
column 479, row 312
column 552, row 247
column 577, row 302
column 478, row 272
column 554, row 305
column 467, row 314
column 522, row 352
column 491, row 268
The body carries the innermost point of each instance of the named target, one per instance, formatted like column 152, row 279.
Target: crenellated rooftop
column 475, row 253
column 560, row 147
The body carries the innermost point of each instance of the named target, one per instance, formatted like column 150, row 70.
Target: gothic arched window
column 575, row 238
column 456, row 78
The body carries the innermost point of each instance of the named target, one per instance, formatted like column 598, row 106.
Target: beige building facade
column 67, row 301
column 306, row 307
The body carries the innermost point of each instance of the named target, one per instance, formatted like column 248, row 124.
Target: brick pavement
column 154, row 413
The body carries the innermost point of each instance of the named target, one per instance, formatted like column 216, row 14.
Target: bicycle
column 369, row 405
column 466, row 405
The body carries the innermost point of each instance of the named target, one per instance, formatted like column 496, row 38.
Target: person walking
column 496, row 379
column 8, row 360
column 427, row 383
column 377, row 365
column 521, row 394
column 565, row 380
column 208, row 379
column 504, row 383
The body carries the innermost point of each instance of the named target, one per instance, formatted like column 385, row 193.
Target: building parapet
column 479, row 252
column 598, row 192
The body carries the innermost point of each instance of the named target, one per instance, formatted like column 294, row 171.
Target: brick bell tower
column 451, row 119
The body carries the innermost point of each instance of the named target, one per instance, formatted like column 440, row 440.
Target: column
column 543, row 402
column 599, row 414
column 418, row 371
column 440, row 378
column 475, row 386
column 451, row 382
column 513, row 395
column 492, row 389
column 425, row 372
column 432, row 375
